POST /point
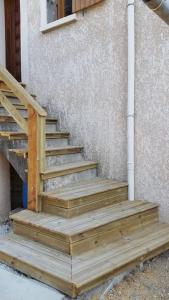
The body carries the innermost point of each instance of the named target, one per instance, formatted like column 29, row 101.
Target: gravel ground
column 152, row 283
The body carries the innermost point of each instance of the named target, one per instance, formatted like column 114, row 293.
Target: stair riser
column 91, row 239
column 89, row 203
column 63, row 159
column 55, row 159
column 133, row 263
column 14, row 127
column 16, row 144
column 60, row 181
column 112, row 232
column 38, row 274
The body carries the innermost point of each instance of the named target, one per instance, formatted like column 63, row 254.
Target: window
column 56, row 13
column 57, row 9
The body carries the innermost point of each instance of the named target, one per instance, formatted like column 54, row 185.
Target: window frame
column 45, row 26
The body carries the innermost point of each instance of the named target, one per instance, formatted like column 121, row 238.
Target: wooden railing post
column 36, row 157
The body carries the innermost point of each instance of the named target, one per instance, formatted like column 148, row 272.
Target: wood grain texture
column 24, row 97
column 11, row 109
column 67, row 169
column 36, row 157
column 78, row 5
column 76, row 275
column 82, row 233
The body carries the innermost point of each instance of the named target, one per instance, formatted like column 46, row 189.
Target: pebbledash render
column 84, row 67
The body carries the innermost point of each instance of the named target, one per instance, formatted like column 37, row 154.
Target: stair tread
column 67, row 166
column 9, row 93
column 84, row 188
column 88, row 269
column 10, row 119
column 59, row 150
column 131, row 248
column 22, row 134
column 83, row 223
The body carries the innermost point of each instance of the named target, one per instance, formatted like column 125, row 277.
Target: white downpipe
column 130, row 110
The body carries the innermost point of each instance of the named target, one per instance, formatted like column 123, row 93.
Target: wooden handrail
column 34, row 128
column 25, row 98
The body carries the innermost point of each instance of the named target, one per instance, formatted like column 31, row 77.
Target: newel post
column 36, row 157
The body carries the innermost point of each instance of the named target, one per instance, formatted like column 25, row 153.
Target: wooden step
column 67, row 169
column 10, row 94
column 73, row 276
column 22, row 136
column 79, row 198
column 9, row 119
column 50, row 151
column 20, row 106
column 87, row 231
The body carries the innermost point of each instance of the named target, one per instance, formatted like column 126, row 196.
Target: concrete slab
column 15, row 286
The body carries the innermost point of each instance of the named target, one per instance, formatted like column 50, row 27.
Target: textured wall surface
column 152, row 109
column 80, row 71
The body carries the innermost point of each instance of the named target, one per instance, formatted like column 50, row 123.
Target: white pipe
column 130, row 110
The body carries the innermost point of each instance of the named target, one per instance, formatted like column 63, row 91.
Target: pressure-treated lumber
column 20, row 92
column 78, row 5
column 3, row 86
column 22, row 136
column 76, row 275
column 50, row 151
column 83, row 197
column 87, row 231
column 10, row 119
column 67, row 169
column 12, row 110
column 36, row 157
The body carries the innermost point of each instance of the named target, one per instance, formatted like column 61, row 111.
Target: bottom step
column 76, row 275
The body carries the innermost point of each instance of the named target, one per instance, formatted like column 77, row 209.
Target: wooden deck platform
column 75, row 275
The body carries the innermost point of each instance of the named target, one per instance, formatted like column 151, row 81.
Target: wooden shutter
column 82, row 4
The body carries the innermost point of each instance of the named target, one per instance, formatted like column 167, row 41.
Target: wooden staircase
column 79, row 229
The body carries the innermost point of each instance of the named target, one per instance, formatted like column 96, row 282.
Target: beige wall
column 80, row 71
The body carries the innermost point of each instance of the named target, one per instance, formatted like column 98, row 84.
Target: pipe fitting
column 160, row 7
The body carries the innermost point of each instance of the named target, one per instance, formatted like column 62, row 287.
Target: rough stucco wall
column 152, row 109
column 80, row 71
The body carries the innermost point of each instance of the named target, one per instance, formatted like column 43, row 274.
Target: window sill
column 58, row 23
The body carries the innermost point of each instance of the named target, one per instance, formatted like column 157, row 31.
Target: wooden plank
column 8, row 93
column 36, row 157
column 78, row 5
column 78, row 274
column 13, row 111
column 9, row 119
column 51, row 208
column 32, row 262
column 22, row 136
column 82, row 232
column 20, row 92
column 67, row 169
column 50, row 151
